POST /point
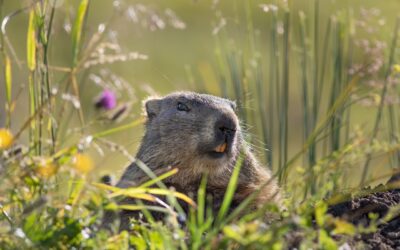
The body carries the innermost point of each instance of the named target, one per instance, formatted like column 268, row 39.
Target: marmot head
column 193, row 129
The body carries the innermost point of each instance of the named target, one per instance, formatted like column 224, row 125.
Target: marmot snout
column 224, row 133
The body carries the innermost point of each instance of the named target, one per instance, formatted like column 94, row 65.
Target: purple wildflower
column 107, row 100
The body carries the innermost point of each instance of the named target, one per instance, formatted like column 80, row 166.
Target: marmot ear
column 152, row 107
column 233, row 105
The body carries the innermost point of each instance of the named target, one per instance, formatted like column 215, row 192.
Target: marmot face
column 197, row 130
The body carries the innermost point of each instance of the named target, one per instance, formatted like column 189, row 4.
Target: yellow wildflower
column 376, row 98
column 396, row 68
column 83, row 163
column 46, row 169
column 6, row 138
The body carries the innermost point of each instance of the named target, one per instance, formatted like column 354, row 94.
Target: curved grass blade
column 120, row 128
column 134, row 192
column 159, row 178
column 77, row 30
column 137, row 193
column 152, row 175
column 105, row 187
column 142, row 207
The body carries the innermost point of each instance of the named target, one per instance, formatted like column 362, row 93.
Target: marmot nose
column 226, row 126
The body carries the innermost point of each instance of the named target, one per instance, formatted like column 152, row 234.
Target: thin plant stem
column 382, row 101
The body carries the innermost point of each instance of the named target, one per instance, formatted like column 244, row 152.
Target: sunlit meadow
column 317, row 85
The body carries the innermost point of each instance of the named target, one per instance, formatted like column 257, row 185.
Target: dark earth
column 357, row 209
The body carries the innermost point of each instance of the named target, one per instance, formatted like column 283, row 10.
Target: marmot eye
column 182, row 107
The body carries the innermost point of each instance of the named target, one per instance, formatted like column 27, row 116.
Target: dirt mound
column 357, row 209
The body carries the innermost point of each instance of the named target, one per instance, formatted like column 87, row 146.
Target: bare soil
column 357, row 209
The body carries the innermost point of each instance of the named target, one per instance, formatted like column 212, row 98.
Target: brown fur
column 183, row 139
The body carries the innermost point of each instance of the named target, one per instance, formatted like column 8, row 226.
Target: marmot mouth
column 219, row 151
column 221, row 148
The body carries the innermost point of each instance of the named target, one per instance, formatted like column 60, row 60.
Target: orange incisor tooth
column 221, row 148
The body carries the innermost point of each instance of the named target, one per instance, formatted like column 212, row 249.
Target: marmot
column 198, row 133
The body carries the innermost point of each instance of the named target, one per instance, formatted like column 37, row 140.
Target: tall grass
column 315, row 60
column 299, row 90
column 383, row 95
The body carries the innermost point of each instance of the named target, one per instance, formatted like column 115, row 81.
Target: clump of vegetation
column 309, row 81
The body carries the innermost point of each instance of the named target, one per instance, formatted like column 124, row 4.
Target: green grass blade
column 273, row 88
column 284, row 115
column 8, row 82
column 135, row 191
column 201, row 200
column 230, row 191
column 159, row 178
column 31, row 63
column 77, row 30
column 119, row 129
column 31, row 42
column 8, row 77
column 142, row 207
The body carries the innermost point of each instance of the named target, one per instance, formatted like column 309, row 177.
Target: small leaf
column 326, row 242
column 138, row 242
column 230, row 232
column 76, row 189
column 119, row 241
column 320, row 211
column 343, row 227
